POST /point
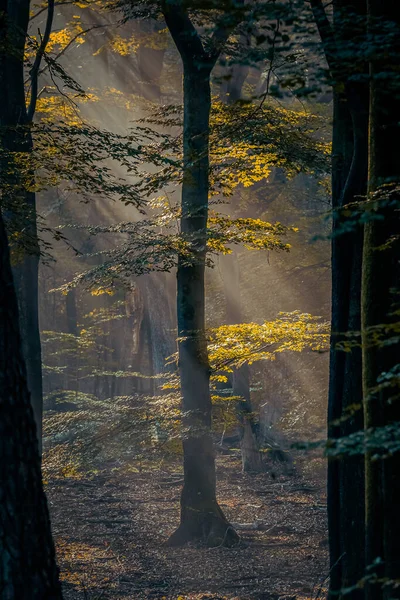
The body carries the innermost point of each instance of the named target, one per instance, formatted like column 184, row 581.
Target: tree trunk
column 380, row 290
column 349, row 183
column 201, row 516
column 251, row 456
column 17, row 138
column 71, row 312
column 26, row 277
column 27, row 568
column 346, row 474
column 231, row 92
column 150, row 61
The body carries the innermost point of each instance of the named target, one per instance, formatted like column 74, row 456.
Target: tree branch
column 183, row 32
column 187, row 38
column 226, row 25
column 41, row 10
column 34, row 73
column 326, row 32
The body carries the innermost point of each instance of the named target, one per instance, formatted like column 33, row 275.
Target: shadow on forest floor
column 110, row 531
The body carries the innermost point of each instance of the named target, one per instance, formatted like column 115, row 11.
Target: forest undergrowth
column 111, row 530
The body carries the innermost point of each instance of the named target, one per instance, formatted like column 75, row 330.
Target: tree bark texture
column 349, row 185
column 28, row 569
column 16, row 137
column 380, row 293
column 201, row 516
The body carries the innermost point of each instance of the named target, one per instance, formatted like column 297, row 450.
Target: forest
column 199, row 299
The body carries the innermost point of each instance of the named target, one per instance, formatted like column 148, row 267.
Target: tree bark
column 17, row 138
column 349, row 185
column 28, row 569
column 251, row 456
column 201, row 517
column 380, row 289
column 26, row 278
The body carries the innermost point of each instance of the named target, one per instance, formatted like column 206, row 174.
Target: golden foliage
column 231, row 346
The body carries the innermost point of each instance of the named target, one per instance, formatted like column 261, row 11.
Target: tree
column 26, row 268
column 146, row 250
column 251, row 455
column 28, row 569
column 341, row 40
column 201, row 516
column 380, row 294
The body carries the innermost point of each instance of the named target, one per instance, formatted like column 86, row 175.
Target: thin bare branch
column 34, row 73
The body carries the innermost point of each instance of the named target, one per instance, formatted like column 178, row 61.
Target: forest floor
column 110, row 532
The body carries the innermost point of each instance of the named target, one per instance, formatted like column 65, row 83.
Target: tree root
column 210, row 529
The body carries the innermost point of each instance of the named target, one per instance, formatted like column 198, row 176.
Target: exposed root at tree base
column 213, row 531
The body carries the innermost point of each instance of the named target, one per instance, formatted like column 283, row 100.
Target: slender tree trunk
column 71, row 312
column 201, row 516
column 71, row 374
column 231, row 92
column 380, row 294
column 251, row 456
column 150, row 62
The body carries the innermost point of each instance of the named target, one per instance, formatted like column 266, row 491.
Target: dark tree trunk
column 351, row 468
column 17, row 138
column 349, row 185
column 26, row 278
column 380, row 295
column 28, row 569
column 201, row 516
column 341, row 160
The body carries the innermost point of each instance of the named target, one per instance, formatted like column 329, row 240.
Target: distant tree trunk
column 71, row 374
column 349, row 185
column 380, row 298
column 252, row 462
column 232, row 86
column 71, row 312
column 150, row 62
column 201, row 516
column 251, row 456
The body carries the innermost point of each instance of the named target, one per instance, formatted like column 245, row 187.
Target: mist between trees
column 199, row 246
